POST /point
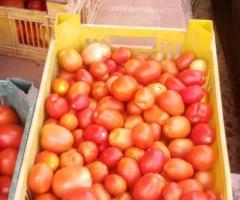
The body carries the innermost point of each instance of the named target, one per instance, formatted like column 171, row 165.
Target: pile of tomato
column 123, row 126
column 10, row 139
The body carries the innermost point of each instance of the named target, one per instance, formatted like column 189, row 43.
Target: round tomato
column 88, row 150
column 132, row 108
column 115, row 184
column 69, row 121
column 110, row 156
column 205, row 178
column 80, row 194
column 202, row 133
column 132, row 120
column 121, row 55
column 144, row 98
column 179, row 147
column 84, row 75
column 155, row 115
column 8, row 115
column 132, row 65
column 96, row 133
column 189, row 185
column 194, row 195
column 98, row 171
column 172, row 191
column 80, row 102
column 134, row 153
column 5, row 184
column 46, row 196
column 100, row 192
column 51, row 159
column 85, row 117
column 40, row 178
column 120, row 138
column 8, row 159
column 169, row 66
column 77, row 88
column 60, row 86
column 192, row 94
column 71, row 158
column 157, row 89
column 184, row 60
column 99, row 90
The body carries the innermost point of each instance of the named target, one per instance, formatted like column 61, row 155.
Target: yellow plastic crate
column 199, row 37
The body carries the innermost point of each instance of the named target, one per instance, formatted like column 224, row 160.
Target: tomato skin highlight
column 5, row 184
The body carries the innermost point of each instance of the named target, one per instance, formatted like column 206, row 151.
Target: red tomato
column 155, row 115
column 110, row 102
column 177, row 169
column 98, row 171
column 3, row 197
column 96, row 133
column 202, row 157
column 132, row 65
column 115, row 184
column 148, row 72
column 100, row 192
column 60, row 86
column 99, row 90
column 36, row 5
column 51, row 159
column 69, row 121
column 80, row 194
column 190, row 185
column 55, row 138
column 120, row 138
column 142, row 135
column 202, row 133
column 192, row 94
column 85, row 117
column 199, row 65
column 134, row 153
column 212, row 195
column 198, row 112
column 78, row 137
column 173, row 83
column 195, row 195
column 177, row 127
column 157, row 89
column 132, row 120
column 84, row 75
column 99, row 71
column 8, row 159
column 124, row 87
column 109, row 118
column 8, row 115
column 12, row 3
column 111, row 156
column 144, row 98
column 156, row 130
column 103, row 146
column 121, row 55
column 172, row 191
column 112, row 66
column 179, row 147
column 63, row 74
column 152, row 161
column 88, row 150
column 56, row 106
column 46, row 196
column 67, row 179
column 149, row 187
column 205, row 178
column 124, row 196
column 172, row 102
column 51, row 121
column 128, row 169
column 80, row 102
column 163, row 147
column 10, row 136
column 184, row 60
column 77, row 88
column 163, row 77
column 132, row 108
column 40, row 178
column 191, row 77
column 71, row 158
column 5, row 184
column 169, row 66
column 70, row 60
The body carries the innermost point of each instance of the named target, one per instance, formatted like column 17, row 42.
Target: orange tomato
column 132, row 120
column 169, row 66
column 79, row 87
column 172, row 191
column 46, row 196
column 98, row 171
column 100, row 192
column 99, row 71
column 115, row 184
column 88, row 150
column 63, row 74
column 84, row 75
column 134, row 153
column 190, row 185
column 71, row 158
column 184, row 60
column 99, row 90
column 179, row 147
column 156, row 130
column 205, row 178
column 132, row 108
column 163, row 147
column 93, row 104
column 163, row 77
column 69, row 121
column 155, row 115
column 60, row 86
column 132, row 65
column 124, row 196
column 157, row 89
column 121, row 55
column 110, row 102
column 144, row 98
column 51, row 159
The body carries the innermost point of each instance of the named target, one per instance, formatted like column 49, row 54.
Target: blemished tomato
column 100, row 192
column 169, row 66
column 63, row 74
column 192, row 94
column 69, row 121
column 144, row 98
column 80, row 193
column 5, row 184
column 163, row 77
column 179, row 147
column 110, row 156
column 80, row 102
column 132, row 120
column 55, row 138
column 155, row 115
column 70, row 60
column 191, row 77
column 124, row 87
column 60, row 86
column 40, row 178
column 10, row 136
column 177, row 127
column 156, row 130
column 149, row 187
column 120, row 138
column 99, row 90
column 71, row 158
column 84, row 75
column 178, row 169
column 51, row 159
column 202, row 133
column 88, row 150
column 199, row 65
column 198, row 112
column 194, row 195
column 152, row 161
column 124, row 196
column 99, row 71
column 148, row 72
column 85, row 117
column 112, row 66
column 134, row 153
column 79, row 87
column 172, row 102
column 202, row 157
column 78, row 137
column 121, row 55
column 67, row 179
column 56, row 106
column 132, row 108
column 172, row 191
column 8, row 115
column 173, row 83
column 205, row 178
column 189, row 185
column 109, row 118
column 142, row 135
column 157, row 89
column 163, row 147
column 128, row 169
column 46, row 196
column 96, row 133
column 98, row 171
column 115, row 184
column 132, row 65
column 184, row 60
column 110, row 102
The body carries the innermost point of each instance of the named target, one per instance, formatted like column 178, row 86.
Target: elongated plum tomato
column 88, row 150
column 85, row 117
column 179, row 147
column 202, row 133
column 71, row 158
column 178, row 169
column 192, row 94
column 77, row 88
column 110, row 156
column 56, row 106
column 177, row 127
column 98, row 171
column 99, row 90
column 8, row 115
column 172, row 83
column 56, row 138
column 134, row 153
column 99, row 71
column 128, row 169
column 191, row 77
column 110, row 102
column 96, row 52
column 109, row 118
column 172, row 102
column 70, row 60
column 115, row 184
column 120, row 138
column 60, row 86
column 172, row 191
column 149, row 187
column 132, row 65
column 199, row 65
column 169, row 66
column 184, row 60
column 155, row 115
column 51, row 159
column 205, row 178
column 124, row 87
column 84, row 75
column 40, row 178
column 46, row 196
column 100, row 192
column 194, row 195
column 67, row 179
column 80, row 193
column 121, row 55
column 8, row 159
column 144, row 98
column 96, row 133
